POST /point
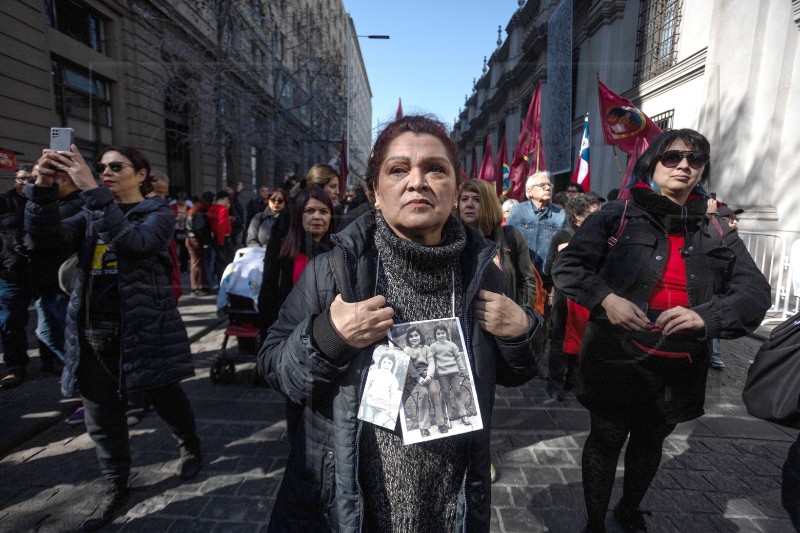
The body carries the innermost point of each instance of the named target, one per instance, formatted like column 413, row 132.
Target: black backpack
column 772, row 389
column 197, row 226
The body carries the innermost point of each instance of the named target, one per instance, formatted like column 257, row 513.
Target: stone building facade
column 727, row 68
column 213, row 91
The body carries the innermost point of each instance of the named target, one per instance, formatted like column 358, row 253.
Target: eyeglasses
column 543, row 185
column 277, row 200
column 115, row 166
column 672, row 158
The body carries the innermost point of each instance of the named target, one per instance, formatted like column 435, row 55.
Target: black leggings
column 600, row 455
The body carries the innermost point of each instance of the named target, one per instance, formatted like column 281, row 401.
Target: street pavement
column 718, row 473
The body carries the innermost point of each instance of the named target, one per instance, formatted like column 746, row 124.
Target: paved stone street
column 719, row 473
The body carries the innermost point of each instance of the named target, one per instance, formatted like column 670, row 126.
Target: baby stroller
column 238, row 299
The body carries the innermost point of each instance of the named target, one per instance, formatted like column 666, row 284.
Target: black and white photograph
column 439, row 398
column 383, row 390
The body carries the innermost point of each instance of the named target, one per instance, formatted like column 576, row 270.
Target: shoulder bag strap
column 622, row 223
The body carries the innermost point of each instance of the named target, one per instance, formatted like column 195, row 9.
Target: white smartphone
column 61, row 139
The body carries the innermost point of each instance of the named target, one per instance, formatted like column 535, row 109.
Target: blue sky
column 435, row 50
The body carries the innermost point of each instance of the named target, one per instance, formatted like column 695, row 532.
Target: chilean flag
column 581, row 174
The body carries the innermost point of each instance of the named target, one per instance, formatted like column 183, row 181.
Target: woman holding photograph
column 410, row 260
column 450, row 370
column 421, row 372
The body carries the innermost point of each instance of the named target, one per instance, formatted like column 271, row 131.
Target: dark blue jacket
column 155, row 348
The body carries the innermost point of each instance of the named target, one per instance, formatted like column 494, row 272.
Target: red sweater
column 670, row 291
column 220, row 222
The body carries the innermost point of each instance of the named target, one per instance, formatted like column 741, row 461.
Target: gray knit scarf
column 414, row 488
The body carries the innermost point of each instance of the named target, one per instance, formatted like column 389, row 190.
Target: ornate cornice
column 603, row 13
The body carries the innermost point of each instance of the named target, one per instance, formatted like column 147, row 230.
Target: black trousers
column 106, row 423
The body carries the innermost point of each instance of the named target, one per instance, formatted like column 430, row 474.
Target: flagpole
column 537, row 154
column 619, row 169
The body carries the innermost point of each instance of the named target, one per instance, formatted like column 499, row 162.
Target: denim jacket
column 538, row 227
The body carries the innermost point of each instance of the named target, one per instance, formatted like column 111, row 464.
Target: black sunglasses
column 672, row 158
column 115, row 166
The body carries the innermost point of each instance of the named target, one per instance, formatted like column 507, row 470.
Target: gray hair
column 532, row 177
column 159, row 176
column 508, row 204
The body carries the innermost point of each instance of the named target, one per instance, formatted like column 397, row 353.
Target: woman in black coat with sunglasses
column 660, row 277
column 124, row 334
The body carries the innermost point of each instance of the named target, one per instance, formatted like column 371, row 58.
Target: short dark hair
column 222, row 194
column 387, row 356
column 419, row 125
column 579, row 204
column 139, row 162
column 646, row 164
column 443, row 328
column 411, row 330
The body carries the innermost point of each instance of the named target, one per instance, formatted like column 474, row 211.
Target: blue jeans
column 51, row 311
column 14, row 300
column 713, row 348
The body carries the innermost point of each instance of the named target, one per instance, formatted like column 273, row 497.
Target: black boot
column 109, row 502
column 630, row 519
column 191, row 461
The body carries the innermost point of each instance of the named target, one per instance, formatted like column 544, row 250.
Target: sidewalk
column 38, row 404
column 719, row 473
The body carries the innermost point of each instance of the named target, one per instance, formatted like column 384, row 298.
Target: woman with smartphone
column 124, row 334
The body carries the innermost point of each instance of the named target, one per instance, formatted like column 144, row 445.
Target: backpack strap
column 336, row 260
column 508, row 234
column 716, row 225
column 612, row 241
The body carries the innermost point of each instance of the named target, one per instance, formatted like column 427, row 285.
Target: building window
column 664, row 120
column 79, row 21
column 83, row 102
column 657, row 38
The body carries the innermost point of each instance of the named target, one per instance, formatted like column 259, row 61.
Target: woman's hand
column 360, row 324
column 679, row 319
column 499, row 315
column 70, row 163
column 624, row 313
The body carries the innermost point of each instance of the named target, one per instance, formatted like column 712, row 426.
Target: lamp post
column 350, row 36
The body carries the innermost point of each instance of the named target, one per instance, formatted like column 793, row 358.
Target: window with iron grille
column 657, row 38
column 664, row 120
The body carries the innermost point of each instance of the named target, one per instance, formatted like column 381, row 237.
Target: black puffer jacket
column 13, row 254
column 155, row 348
column 45, row 264
column 319, row 490
column 724, row 287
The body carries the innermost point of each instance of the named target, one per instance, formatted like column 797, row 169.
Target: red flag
column 343, row 168
column 638, row 150
column 502, row 166
column 487, row 166
column 399, row 113
column 8, row 160
column 581, row 174
column 622, row 121
column 473, row 172
column 529, row 150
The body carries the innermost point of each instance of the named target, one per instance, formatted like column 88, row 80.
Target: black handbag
column 772, row 389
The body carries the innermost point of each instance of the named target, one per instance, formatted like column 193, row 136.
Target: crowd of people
column 632, row 294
